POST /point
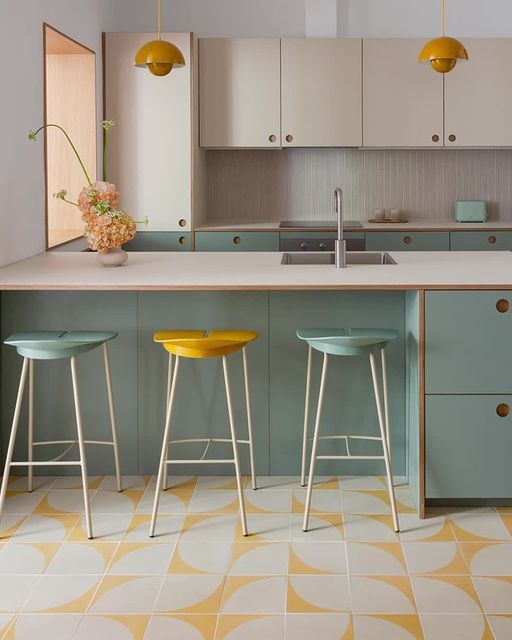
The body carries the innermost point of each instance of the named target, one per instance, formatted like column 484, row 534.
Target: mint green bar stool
column 54, row 345
column 347, row 342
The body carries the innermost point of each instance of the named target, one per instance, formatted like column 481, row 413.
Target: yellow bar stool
column 200, row 344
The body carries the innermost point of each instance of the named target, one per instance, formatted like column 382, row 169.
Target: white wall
column 22, row 187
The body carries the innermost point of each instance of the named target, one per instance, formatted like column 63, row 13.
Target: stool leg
column 112, row 417
column 14, row 429
column 386, row 403
column 315, row 442
column 249, row 418
column 235, row 448
column 384, row 440
column 165, row 446
column 306, row 416
column 169, row 382
column 30, row 425
column 81, row 448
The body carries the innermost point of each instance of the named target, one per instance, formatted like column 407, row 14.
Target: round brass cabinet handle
column 407, row 239
column 435, row 138
column 237, row 240
column 272, row 138
column 182, row 240
column 491, row 239
column 289, row 138
column 503, row 305
column 182, row 222
column 503, row 410
column 452, row 138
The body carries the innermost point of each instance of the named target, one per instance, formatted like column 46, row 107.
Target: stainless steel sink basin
column 326, row 258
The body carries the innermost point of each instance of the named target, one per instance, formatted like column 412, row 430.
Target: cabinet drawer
column 468, row 342
column 468, row 446
column 233, row 241
column 404, row 241
column 159, row 241
column 481, row 240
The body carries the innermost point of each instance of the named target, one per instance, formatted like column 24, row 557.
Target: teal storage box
column 471, row 211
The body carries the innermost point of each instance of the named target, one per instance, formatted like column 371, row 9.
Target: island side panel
column 54, row 416
column 200, row 406
column 349, row 401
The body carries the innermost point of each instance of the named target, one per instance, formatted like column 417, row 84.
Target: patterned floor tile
column 318, row 594
column 326, row 527
column 382, row 594
column 388, row 627
column 112, row 627
column 126, row 594
column 82, row 558
column 478, row 525
column 435, row 527
column 266, row 502
column 317, row 558
column 75, row 482
column 184, row 627
column 21, row 502
column 170, row 501
column 495, row 593
column 501, row 626
column 6, row 619
column 62, row 501
column 39, row 483
column 254, row 594
column 250, row 627
column 269, row 528
column 54, row 528
column 375, row 558
column 456, row 627
column 195, row 594
column 445, row 594
column 129, row 483
column 327, row 626
column 26, row 558
column 14, row 591
column 259, row 558
column 488, row 558
column 174, row 483
column 434, row 557
column 200, row 557
column 168, row 528
column 275, row 483
column 54, row 626
column 375, row 501
column 209, row 528
column 369, row 528
column 207, row 501
column 62, row 594
column 325, row 501
column 141, row 558
column 106, row 528
column 9, row 525
column 115, row 502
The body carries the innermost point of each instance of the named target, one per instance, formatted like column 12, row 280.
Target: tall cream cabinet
column 240, row 92
column 403, row 99
column 321, row 92
column 478, row 96
column 280, row 93
column 151, row 146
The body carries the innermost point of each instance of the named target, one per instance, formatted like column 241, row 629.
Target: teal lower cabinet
column 236, row 241
column 404, row 241
column 468, row 447
column 160, row 241
column 481, row 240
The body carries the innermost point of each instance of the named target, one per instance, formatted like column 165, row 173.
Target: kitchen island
column 448, row 371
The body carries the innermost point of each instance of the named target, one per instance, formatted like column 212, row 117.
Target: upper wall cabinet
column 403, row 99
column 151, row 147
column 240, row 87
column 478, row 96
column 321, row 92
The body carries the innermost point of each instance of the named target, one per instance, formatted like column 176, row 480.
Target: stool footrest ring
column 350, row 457
column 44, row 462
column 200, row 461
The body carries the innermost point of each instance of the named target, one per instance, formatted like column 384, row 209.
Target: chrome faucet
column 340, row 245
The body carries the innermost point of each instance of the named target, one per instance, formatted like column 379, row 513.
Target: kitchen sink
column 326, row 258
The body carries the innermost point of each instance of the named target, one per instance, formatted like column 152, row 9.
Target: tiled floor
column 448, row 577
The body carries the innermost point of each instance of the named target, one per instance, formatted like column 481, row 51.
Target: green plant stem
column 44, row 126
column 68, row 201
column 105, row 156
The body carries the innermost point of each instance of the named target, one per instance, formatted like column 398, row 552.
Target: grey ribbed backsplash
column 297, row 184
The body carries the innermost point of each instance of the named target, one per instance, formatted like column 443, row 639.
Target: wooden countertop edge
column 354, row 287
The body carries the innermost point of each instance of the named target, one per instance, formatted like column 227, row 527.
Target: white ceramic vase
column 112, row 257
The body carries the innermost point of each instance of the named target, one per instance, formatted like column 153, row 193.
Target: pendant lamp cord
column 159, row 13
column 442, row 16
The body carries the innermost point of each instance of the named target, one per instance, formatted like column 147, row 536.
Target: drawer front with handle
column 404, row 241
column 468, row 342
column 160, row 241
column 468, row 446
column 234, row 241
column 481, row 240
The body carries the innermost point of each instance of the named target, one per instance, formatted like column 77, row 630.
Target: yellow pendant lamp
column 443, row 53
column 159, row 56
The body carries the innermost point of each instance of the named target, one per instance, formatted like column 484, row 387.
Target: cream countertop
column 257, row 271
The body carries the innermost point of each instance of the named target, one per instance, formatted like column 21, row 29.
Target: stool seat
column 50, row 345
column 204, row 344
column 347, row 342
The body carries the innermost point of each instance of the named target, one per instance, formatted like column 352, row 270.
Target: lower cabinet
column 160, row 241
column 468, row 446
column 234, row 241
column 403, row 241
column 481, row 240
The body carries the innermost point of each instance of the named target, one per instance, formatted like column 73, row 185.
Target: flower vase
column 112, row 257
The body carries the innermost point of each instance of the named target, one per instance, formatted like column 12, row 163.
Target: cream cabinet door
column 150, row 147
column 321, row 92
column 402, row 98
column 478, row 96
column 240, row 92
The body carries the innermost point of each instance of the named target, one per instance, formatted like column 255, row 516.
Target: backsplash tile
column 297, row 184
